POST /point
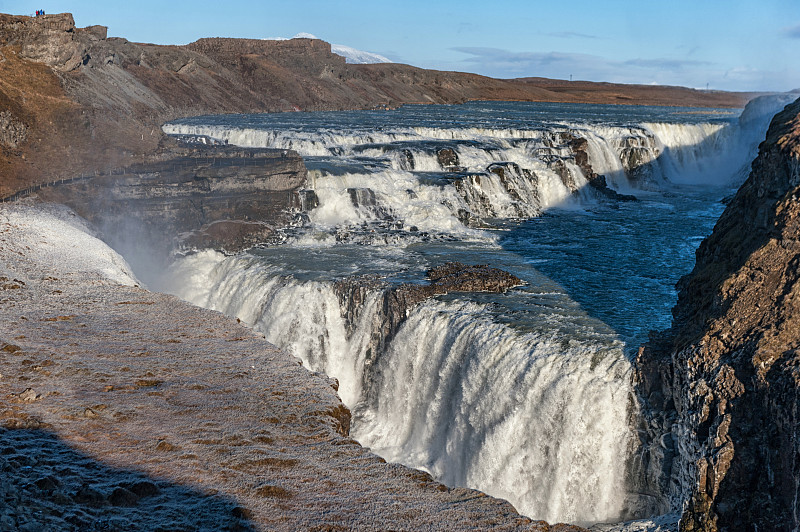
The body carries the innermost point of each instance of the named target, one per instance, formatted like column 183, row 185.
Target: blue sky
column 729, row 45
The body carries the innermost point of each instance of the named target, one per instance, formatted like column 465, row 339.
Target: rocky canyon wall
column 194, row 197
column 720, row 388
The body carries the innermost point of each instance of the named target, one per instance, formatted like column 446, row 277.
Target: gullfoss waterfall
column 524, row 395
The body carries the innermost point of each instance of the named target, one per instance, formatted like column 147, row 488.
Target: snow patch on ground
column 661, row 523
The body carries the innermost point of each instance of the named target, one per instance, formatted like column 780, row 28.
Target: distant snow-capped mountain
column 358, row 57
column 351, row 55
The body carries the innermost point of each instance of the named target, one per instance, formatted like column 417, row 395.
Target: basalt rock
column 720, row 390
column 218, row 197
column 448, row 160
column 579, row 145
column 395, row 302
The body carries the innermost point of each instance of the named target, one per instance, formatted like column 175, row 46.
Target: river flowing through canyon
column 525, row 395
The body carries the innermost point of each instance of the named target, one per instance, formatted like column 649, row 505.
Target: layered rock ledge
column 192, row 197
column 396, row 301
column 721, row 388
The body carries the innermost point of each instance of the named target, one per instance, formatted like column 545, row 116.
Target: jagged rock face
column 50, row 39
column 448, row 160
column 723, row 384
column 396, row 301
column 212, row 197
column 13, row 132
column 579, row 147
column 637, row 153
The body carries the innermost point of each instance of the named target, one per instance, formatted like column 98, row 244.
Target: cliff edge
column 124, row 409
column 720, row 388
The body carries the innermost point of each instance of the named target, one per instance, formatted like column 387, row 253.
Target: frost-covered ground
column 124, row 409
column 661, row 523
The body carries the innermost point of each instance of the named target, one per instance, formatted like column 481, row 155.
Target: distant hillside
column 74, row 101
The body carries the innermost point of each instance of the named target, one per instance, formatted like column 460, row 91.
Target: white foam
column 537, row 421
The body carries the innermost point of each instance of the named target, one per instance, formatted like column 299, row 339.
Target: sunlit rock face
column 722, row 384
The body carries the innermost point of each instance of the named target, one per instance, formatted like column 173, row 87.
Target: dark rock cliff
column 220, row 197
column 720, row 388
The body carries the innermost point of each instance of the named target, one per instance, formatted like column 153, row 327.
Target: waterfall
column 537, row 420
column 443, row 180
column 530, row 402
column 536, row 417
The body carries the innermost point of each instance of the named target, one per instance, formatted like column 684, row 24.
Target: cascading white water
column 397, row 193
column 511, row 396
column 631, row 157
column 539, row 419
column 302, row 318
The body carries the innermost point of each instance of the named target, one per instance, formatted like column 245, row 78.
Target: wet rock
column 395, row 302
column 307, row 200
column 579, row 146
column 408, row 159
column 228, row 236
column 448, row 160
column 457, row 277
column 362, row 197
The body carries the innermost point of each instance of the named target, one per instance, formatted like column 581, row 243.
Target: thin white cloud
column 501, row 63
column 667, row 64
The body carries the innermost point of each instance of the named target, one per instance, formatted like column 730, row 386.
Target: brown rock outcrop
column 396, row 301
column 721, row 388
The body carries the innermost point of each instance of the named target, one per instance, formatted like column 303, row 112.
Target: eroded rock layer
column 194, row 197
column 720, row 388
